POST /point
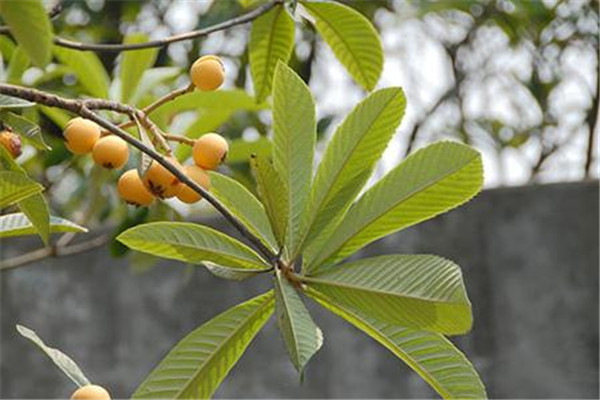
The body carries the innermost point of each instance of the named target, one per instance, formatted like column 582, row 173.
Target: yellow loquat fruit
column 160, row 181
column 210, row 150
column 90, row 392
column 81, row 135
column 198, row 175
column 207, row 73
column 12, row 143
column 110, row 152
column 132, row 189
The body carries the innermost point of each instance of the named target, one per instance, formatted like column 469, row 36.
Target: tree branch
column 592, row 121
column 84, row 108
column 248, row 17
column 53, row 251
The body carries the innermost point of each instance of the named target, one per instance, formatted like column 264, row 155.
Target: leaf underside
column 418, row 291
column 444, row 367
column 17, row 224
column 197, row 365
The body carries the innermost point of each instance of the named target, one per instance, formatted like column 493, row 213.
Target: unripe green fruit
column 111, row 152
column 81, row 135
column 207, row 73
column 132, row 189
column 210, row 150
column 198, row 175
column 90, row 392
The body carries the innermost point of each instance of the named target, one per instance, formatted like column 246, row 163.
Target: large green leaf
column 302, row 336
column 241, row 150
column 87, row 67
column 294, row 136
column 36, row 210
column 352, row 38
column 16, row 186
column 31, row 27
column 272, row 195
column 190, row 243
column 244, row 206
column 134, row 64
column 28, row 130
column 350, row 158
column 429, row 354
column 17, row 224
column 234, row 100
column 197, row 365
column 61, row 360
column 271, row 40
column 418, row 291
column 429, row 182
column 19, row 62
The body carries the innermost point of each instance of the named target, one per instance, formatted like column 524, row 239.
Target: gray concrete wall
column 530, row 258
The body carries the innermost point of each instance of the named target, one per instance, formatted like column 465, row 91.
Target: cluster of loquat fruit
column 83, row 136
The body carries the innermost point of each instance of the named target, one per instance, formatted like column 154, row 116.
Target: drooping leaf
column 233, row 274
column 13, row 102
column 62, row 361
column 271, row 40
column 87, row 67
column 444, row 367
column 244, row 206
column 16, row 186
column 418, row 291
column 302, row 336
column 240, row 150
column 272, row 195
column 134, row 64
column 17, row 224
column 31, row 27
column 353, row 39
column 197, row 365
column 19, row 62
column 191, row 243
column 294, row 136
column 429, row 182
column 36, row 210
column 28, row 130
column 350, row 158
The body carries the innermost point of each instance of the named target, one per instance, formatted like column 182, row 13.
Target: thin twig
column 180, row 139
column 83, row 108
column 592, row 121
column 163, row 100
column 53, row 251
column 248, row 17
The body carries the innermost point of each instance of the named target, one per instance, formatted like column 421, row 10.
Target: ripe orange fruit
column 12, row 143
column 90, row 392
column 111, row 152
column 207, row 73
column 160, row 181
column 81, row 135
column 198, row 175
column 210, row 150
column 132, row 189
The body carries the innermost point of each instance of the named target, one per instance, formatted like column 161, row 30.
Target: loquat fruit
column 12, row 143
column 160, row 181
column 198, row 175
column 210, row 150
column 90, row 392
column 110, row 152
column 81, row 135
column 207, row 73
column 132, row 189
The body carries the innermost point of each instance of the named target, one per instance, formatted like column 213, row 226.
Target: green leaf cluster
column 314, row 220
